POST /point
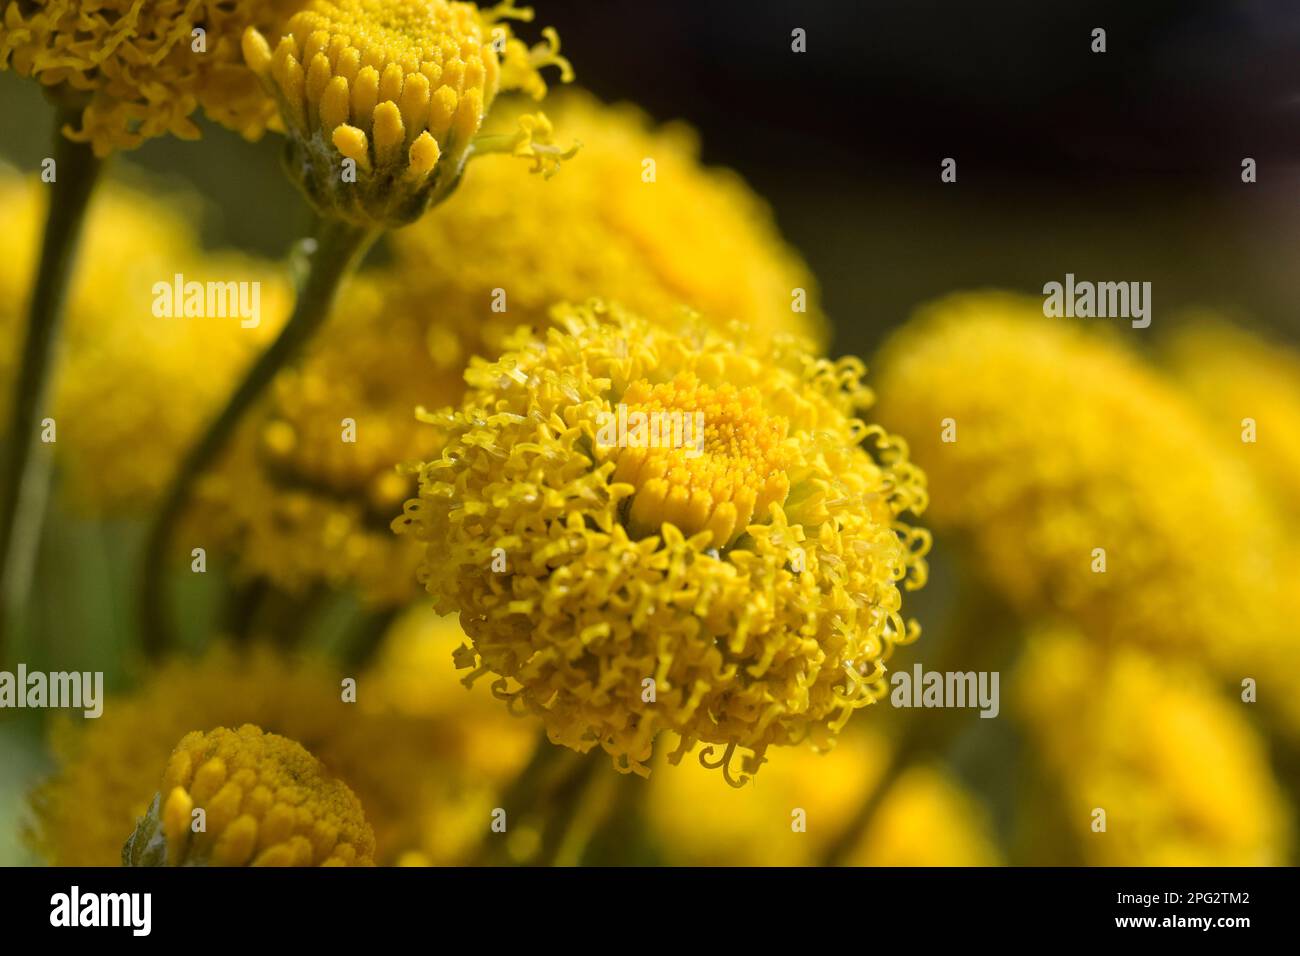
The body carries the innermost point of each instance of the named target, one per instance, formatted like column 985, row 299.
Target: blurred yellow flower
column 132, row 387
column 804, row 799
column 743, row 591
column 398, row 89
column 309, row 487
column 264, row 801
column 508, row 247
column 1182, row 777
column 1249, row 389
column 425, row 758
column 142, row 69
column 1083, row 481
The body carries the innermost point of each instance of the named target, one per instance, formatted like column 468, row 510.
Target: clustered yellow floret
column 295, row 502
column 140, row 70
column 426, row 759
column 694, row 236
column 264, row 801
column 399, row 88
column 1248, row 388
column 1182, row 777
column 1083, row 482
column 770, row 636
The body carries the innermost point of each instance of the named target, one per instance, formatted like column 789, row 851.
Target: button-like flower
column 383, row 99
column 681, row 233
column 265, row 801
column 1249, row 390
column 297, row 504
column 426, row 759
column 142, row 69
column 1084, row 482
column 729, row 568
column 1183, row 778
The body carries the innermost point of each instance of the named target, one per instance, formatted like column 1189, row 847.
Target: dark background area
column 1117, row 166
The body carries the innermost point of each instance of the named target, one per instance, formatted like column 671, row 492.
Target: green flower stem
column 24, row 473
column 331, row 254
column 908, row 750
column 366, row 637
column 588, row 809
column 985, row 635
column 543, row 798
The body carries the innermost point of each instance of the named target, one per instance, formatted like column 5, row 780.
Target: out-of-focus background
column 1120, row 166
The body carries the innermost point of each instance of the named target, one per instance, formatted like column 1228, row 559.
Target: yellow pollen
column 701, row 458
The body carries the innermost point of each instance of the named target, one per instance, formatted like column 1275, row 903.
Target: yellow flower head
column 1182, row 777
column 310, row 485
column 1249, row 389
column 803, row 801
column 265, row 801
column 728, row 569
column 512, row 246
column 383, row 98
column 1083, row 482
column 142, row 69
column 426, row 759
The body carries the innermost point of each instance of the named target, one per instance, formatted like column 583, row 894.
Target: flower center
column 701, row 458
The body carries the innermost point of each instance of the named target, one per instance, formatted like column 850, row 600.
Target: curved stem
column 985, row 635
column 24, row 476
column 333, row 251
column 909, row 750
column 543, row 797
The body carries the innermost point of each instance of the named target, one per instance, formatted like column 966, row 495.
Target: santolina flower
column 398, row 89
column 426, row 759
column 745, row 597
column 651, row 239
column 1182, row 777
column 1098, row 494
column 142, row 69
column 246, row 798
column 804, row 799
column 308, row 489
column 1249, row 390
